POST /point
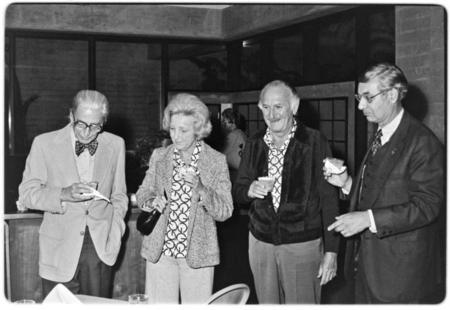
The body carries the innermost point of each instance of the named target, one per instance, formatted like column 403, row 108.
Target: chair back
column 234, row 294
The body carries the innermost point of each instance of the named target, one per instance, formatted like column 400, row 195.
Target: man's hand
column 328, row 268
column 257, row 190
column 351, row 223
column 76, row 192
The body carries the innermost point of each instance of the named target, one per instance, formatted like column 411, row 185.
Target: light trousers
column 171, row 277
column 286, row 273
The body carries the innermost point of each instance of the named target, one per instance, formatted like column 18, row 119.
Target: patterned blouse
column 175, row 240
column 276, row 161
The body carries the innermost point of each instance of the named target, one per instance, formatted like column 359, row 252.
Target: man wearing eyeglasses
column 395, row 199
column 80, row 235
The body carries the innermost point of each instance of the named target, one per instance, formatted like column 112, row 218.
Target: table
column 87, row 299
column 21, row 244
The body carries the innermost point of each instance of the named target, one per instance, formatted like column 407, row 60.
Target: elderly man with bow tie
column 80, row 235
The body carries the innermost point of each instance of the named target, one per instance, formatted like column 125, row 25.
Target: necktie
column 376, row 144
column 91, row 147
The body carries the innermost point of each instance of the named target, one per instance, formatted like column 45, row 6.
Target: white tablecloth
column 86, row 299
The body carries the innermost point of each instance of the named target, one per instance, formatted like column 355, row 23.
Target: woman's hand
column 159, row 203
column 191, row 178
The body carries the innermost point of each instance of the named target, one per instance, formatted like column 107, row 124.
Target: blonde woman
column 188, row 182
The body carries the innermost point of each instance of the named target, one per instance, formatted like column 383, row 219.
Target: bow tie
column 91, row 147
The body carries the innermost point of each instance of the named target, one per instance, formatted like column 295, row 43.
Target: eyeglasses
column 92, row 127
column 368, row 98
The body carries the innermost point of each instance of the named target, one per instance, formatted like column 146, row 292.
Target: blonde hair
column 189, row 105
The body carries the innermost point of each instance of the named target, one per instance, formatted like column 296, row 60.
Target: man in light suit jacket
column 396, row 198
column 80, row 234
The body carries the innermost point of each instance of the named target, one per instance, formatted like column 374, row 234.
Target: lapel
column 295, row 154
column 388, row 162
column 103, row 158
column 206, row 165
column 164, row 170
column 65, row 155
column 356, row 185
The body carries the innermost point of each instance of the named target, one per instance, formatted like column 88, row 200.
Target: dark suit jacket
column 399, row 260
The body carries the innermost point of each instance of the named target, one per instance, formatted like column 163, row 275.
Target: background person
column 234, row 141
column 182, row 250
column 79, row 237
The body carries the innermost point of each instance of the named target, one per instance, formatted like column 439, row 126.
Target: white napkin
column 334, row 165
column 61, row 294
column 97, row 195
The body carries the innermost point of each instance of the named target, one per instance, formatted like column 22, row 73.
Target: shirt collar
column 389, row 129
column 194, row 157
column 268, row 138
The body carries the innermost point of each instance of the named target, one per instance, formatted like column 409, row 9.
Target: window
column 129, row 75
column 197, row 67
column 329, row 115
column 253, row 120
column 336, row 50
column 46, row 75
column 251, row 65
column 288, row 58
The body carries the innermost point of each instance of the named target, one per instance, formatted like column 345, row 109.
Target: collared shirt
column 276, row 160
column 85, row 162
column 175, row 240
column 389, row 129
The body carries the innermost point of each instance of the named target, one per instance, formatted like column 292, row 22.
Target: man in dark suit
column 395, row 199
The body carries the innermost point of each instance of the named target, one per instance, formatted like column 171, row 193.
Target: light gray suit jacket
column 50, row 166
column 216, row 205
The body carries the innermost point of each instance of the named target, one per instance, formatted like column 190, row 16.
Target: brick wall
column 420, row 52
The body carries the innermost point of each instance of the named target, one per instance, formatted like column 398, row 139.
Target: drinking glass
column 138, row 299
column 25, row 301
column 268, row 182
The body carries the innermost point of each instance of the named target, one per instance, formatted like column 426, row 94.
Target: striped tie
column 376, row 144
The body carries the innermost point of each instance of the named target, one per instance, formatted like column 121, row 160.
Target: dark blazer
column 406, row 201
column 308, row 202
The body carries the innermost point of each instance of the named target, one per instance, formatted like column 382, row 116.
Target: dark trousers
column 92, row 276
column 362, row 291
